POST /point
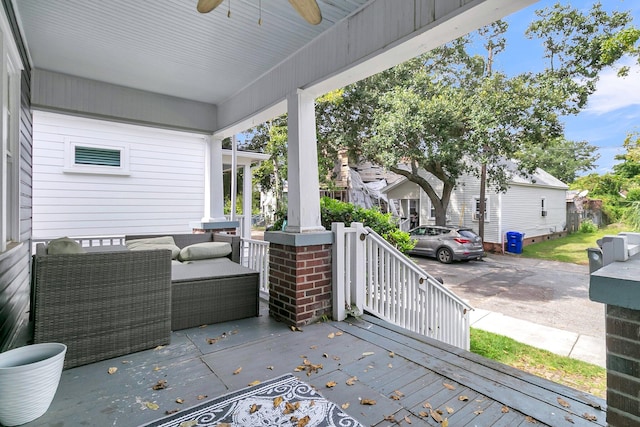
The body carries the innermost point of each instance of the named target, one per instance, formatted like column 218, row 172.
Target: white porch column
column 234, row 176
column 213, row 188
column 247, row 200
column 304, row 199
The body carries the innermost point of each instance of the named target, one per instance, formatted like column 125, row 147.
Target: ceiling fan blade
column 308, row 9
column 206, row 6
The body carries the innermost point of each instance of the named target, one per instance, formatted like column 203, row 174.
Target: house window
column 476, row 209
column 9, row 147
column 93, row 157
column 543, row 209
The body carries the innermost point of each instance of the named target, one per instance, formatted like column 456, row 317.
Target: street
column 549, row 293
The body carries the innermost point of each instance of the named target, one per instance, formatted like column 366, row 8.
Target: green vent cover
column 97, row 156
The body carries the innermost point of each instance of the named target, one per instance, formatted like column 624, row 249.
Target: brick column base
column 623, row 366
column 299, row 277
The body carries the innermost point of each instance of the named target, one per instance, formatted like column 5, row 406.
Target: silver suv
column 447, row 244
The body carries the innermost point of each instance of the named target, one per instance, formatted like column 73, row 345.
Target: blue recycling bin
column 514, row 242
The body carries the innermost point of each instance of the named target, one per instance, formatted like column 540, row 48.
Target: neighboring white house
column 97, row 178
column 535, row 206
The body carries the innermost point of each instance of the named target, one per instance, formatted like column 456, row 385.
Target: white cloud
column 613, row 92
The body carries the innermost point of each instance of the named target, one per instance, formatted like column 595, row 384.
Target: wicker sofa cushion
column 164, row 242
column 64, row 245
column 205, row 250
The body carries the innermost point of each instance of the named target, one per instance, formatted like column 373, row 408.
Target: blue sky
column 612, row 112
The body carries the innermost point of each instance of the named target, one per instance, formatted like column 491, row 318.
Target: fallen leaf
column 290, row 407
column 112, row 371
column 436, row 416
column 423, row 414
column 368, row 353
column 160, row 347
column 463, row 398
column 191, row 423
column 313, row 347
column 270, row 367
column 312, row 404
column 224, row 425
column 331, row 335
column 157, row 368
column 237, row 371
column 171, row 411
column 407, row 419
column 398, row 393
column 325, row 355
column 212, row 340
column 391, row 354
column 345, row 405
column 202, row 396
column 295, row 329
column 339, row 333
column 367, row 402
column 390, row 418
column 563, row 402
column 478, row 412
column 277, row 401
column 161, row 384
column 589, row 417
column 448, row 386
column 445, row 423
column 450, row 410
column 331, row 384
column 505, row 409
column 427, row 405
column 252, row 383
column 595, row 405
column 254, row 408
column 390, row 365
column 152, row 406
column 569, row 419
column 352, row 380
column 302, row 422
column 394, row 397
column 530, row 420
column 180, row 401
column 336, row 358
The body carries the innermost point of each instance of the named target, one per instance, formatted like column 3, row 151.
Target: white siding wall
column 522, row 210
column 163, row 191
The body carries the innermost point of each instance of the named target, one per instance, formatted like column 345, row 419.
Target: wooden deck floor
column 387, row 362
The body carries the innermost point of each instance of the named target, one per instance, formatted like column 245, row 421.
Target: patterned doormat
column 284, row 402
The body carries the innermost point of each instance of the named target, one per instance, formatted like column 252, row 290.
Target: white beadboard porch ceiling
column 166, row 46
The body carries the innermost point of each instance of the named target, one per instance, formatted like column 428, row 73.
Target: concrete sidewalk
column 582, row 347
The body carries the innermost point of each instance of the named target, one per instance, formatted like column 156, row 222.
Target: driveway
column 549, row 293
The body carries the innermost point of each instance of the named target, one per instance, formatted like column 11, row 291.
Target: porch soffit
column 165, row 47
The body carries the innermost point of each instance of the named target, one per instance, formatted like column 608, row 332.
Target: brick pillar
column 299, row 276
column 623, row 367
column 615, row 281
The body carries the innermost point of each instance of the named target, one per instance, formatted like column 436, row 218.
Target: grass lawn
column 563, row 370
column 572, row 248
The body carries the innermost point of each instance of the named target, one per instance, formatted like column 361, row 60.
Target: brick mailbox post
column 615, row 281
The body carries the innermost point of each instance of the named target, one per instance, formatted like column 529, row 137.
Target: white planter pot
column 29, row 378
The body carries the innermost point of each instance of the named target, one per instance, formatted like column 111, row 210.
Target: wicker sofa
column 117, row 301
column 103, row 304
column 210, row 291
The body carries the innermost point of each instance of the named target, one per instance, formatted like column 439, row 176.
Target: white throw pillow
column 205, row 250
column 164, row 242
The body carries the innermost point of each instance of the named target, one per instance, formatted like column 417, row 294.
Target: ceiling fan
column 308, row 9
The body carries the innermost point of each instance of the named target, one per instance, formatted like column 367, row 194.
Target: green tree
column 562, row 158
column 630, row 166
column 450, row 112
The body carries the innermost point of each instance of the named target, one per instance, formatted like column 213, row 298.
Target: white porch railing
column 88, row 241
column 254, row 254
column 370, row 274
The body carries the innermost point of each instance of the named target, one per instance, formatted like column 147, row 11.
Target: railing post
column 338, row 271
column 358, row 267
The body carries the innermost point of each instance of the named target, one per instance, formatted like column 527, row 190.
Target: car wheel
column 444, row 255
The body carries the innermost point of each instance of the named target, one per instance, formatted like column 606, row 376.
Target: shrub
column 587, row 226
column 332, row 210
